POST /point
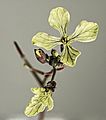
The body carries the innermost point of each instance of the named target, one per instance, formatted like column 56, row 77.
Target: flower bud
column 40, row 55
column 54, row 53
column 51, row 85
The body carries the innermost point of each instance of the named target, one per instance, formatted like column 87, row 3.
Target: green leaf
column 39, row 102
column 85, row 32
column 45, row 40
column 69, row 55
column 58, row 19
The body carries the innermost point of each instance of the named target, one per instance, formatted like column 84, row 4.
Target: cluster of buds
column 53, row 59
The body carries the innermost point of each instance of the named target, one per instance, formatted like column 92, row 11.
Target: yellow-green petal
column 37, row 90
column 35, row 106
column 39, row 102
column 85, row 32
column 58, row 19
column 50, row 103
column 45, row 40
column 69, row 56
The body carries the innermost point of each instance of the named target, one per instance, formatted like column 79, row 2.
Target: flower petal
column 58, row 19
column 39, row 102
column 85, row 32
column 37, row 90
column 45, row 40
column 69, row 56
column 34, row 107
column 50, row 103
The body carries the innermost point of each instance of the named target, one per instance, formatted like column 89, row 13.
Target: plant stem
column 26, row 62
column 41, row 115
column 54, row 73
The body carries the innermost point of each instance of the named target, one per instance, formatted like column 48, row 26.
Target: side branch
column 27, row 64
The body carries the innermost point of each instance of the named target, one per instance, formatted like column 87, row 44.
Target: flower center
column 64, row 40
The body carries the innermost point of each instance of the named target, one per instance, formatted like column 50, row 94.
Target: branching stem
column 26, row 62
column 35, row 71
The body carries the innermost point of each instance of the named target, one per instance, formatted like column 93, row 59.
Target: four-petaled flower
column 58, row 19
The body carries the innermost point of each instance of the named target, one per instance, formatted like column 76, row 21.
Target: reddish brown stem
column 41, row 115
column 26, row 62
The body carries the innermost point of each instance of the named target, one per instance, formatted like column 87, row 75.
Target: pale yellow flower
column 59, row 19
